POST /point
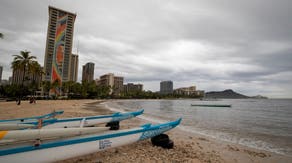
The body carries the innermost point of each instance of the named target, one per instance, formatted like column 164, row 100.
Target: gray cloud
column 242, row 45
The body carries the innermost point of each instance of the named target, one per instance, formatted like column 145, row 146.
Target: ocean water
column 264, row 124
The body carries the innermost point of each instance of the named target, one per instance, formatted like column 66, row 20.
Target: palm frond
column 31, row 57
column 23, row 60
column 18, row 57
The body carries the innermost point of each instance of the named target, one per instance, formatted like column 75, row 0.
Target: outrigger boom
column 31, row 119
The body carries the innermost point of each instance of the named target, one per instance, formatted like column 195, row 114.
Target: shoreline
column 188, row 147
column 243, row 152
column 199, row 133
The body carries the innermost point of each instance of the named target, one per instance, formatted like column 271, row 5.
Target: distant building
column 107, row 80
column 88, row 72
column 185, row 90
column 29, row 78
column 118, row 85
column 4, row 82
column 10, row 79
column 115, row 82
column 97, row 82
column 74, row 67
column 189, row 91
column 166, row 87
column 200, row 93
column 1, row 70
column 130, row 87
column 57, row 64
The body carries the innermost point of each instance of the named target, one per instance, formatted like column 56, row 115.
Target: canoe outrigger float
column 64, row 149
column 33, row 119
column 15, row 136
column 71, row 122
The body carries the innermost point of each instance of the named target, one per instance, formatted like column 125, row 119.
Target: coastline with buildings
column 60, row 71
column 205, row 135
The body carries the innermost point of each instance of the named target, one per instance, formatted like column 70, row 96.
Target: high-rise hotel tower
column 88, row 72
column 58, row 54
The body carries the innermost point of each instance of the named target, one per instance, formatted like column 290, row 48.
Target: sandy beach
column 188, row 147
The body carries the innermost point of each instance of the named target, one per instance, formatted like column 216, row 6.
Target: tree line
column 30, row 68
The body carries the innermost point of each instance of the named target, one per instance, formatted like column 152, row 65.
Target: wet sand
column 188, row 147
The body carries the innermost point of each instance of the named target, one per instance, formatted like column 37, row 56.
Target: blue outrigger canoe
column 72, row 122
column 64, row 149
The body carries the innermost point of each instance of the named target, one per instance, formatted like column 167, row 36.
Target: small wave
column 113, row 109
column 151, row 119
column 247, row 142
column 122, row 110
column 261, row 145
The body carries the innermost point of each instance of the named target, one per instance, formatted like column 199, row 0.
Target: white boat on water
column 64, row 149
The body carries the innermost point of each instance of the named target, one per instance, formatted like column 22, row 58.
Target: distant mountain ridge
column 228, row 93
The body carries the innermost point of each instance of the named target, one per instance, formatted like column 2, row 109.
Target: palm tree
column 22, row 62
column 67, row 87
column 36, row 70
column 46, row 86
column 55, row 87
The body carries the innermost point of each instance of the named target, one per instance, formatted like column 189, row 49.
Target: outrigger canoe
column 64, row 149
column 71, row 122
column 32, row 119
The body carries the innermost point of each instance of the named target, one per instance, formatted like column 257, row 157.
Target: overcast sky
column 244, row 45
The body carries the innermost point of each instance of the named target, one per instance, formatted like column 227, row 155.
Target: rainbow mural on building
column 58, row 55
